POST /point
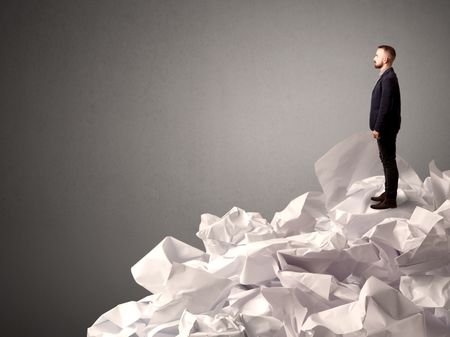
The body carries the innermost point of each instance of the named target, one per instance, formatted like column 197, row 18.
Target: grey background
column 123, row 121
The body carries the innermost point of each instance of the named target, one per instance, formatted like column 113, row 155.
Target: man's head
column 384, row 57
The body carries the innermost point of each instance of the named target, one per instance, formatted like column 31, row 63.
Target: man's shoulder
column 389, row 75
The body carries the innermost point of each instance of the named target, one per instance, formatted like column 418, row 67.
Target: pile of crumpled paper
column 327, row 265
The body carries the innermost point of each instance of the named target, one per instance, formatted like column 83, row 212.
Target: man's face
column 380, row 58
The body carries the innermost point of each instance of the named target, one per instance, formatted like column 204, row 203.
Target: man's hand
column 375, row 134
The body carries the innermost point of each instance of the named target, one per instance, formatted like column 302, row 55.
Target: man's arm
column 387, row 88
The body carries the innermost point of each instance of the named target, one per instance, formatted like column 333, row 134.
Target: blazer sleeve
column 387, row 92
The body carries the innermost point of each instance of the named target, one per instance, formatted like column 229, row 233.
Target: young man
column 385, row 123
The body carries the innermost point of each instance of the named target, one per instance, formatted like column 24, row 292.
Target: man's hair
column 390, row 51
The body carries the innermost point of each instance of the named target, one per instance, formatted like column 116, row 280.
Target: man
column 385, row 123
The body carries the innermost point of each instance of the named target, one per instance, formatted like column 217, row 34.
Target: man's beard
column 377, row 66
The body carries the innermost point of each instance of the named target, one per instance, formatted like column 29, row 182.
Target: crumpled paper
column 326, row 265
column 379, row 309
column 237, row 227
column 440, row 182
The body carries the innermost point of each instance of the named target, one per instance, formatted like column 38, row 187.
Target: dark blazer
column 385, row 105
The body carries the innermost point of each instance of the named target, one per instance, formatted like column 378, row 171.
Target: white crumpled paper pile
column 327, row 265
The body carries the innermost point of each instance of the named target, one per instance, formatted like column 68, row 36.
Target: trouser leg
column 384, row 168
column 387, row 149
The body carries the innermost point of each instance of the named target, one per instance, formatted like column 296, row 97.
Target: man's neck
column 384, row 68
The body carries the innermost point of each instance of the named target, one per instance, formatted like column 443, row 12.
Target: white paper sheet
column 440, row 183
column 379, row 309
column 159, row 261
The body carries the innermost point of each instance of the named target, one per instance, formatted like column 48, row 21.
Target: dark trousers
column 386, row 147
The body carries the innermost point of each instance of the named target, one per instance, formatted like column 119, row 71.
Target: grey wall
column 123, row 121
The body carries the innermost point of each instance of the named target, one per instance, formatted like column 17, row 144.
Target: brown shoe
column 381, row 197
column 386, row 203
